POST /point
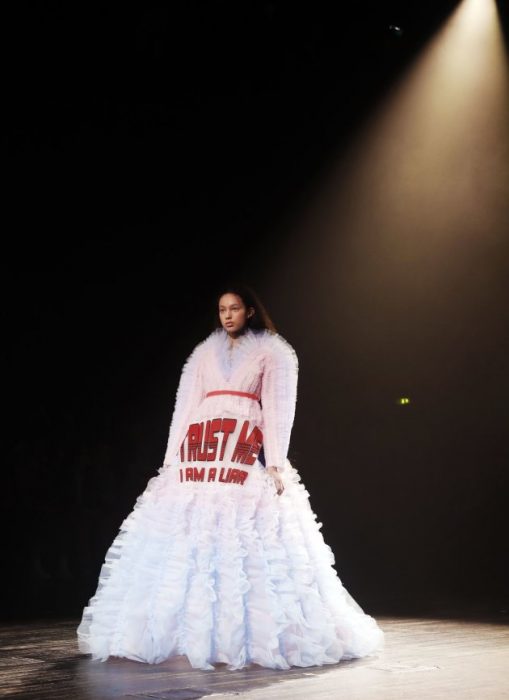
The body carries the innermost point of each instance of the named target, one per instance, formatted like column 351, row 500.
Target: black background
column 151, row 152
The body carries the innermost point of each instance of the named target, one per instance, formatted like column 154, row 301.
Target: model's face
column 233, row 314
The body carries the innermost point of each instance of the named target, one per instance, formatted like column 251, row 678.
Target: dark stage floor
column 446, row 655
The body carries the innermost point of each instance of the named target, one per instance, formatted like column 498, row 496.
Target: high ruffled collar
column 231, row 358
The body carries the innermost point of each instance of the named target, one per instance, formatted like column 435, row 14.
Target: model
column 222, row 559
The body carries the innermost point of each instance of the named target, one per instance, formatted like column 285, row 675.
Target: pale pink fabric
column 223, row 571
column 263, row 363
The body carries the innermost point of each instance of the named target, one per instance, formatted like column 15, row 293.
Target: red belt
column 234, row 393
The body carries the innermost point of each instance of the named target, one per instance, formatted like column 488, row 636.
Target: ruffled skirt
column 224, row 572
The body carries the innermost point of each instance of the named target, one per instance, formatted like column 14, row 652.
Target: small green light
column 403, row 401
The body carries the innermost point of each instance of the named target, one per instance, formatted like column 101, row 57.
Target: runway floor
column 432, row 657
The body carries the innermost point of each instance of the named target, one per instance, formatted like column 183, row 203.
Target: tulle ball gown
column 212, row 563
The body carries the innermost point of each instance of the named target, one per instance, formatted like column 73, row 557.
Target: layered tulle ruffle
column 224, row 573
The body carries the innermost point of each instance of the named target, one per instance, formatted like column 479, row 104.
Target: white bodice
column 261, row 363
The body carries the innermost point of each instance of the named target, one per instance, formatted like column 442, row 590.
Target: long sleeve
column 279, row 397
column 188, row 397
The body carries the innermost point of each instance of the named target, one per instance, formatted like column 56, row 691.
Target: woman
column 221, row 559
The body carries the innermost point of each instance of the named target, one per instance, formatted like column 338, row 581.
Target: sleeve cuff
column 278, row 467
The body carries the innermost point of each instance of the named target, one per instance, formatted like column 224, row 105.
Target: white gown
column 211, row 562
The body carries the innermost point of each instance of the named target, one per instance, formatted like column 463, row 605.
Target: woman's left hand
column 278, row 481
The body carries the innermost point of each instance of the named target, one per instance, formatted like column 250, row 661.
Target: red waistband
column 235, row 393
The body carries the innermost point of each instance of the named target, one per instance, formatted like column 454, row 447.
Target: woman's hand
column 278, row 481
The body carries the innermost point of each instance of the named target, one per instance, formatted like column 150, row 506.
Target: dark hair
column 260, row 319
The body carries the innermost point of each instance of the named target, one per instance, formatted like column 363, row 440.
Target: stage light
column 426, row 178
column 397, row 31
column 406, row 236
